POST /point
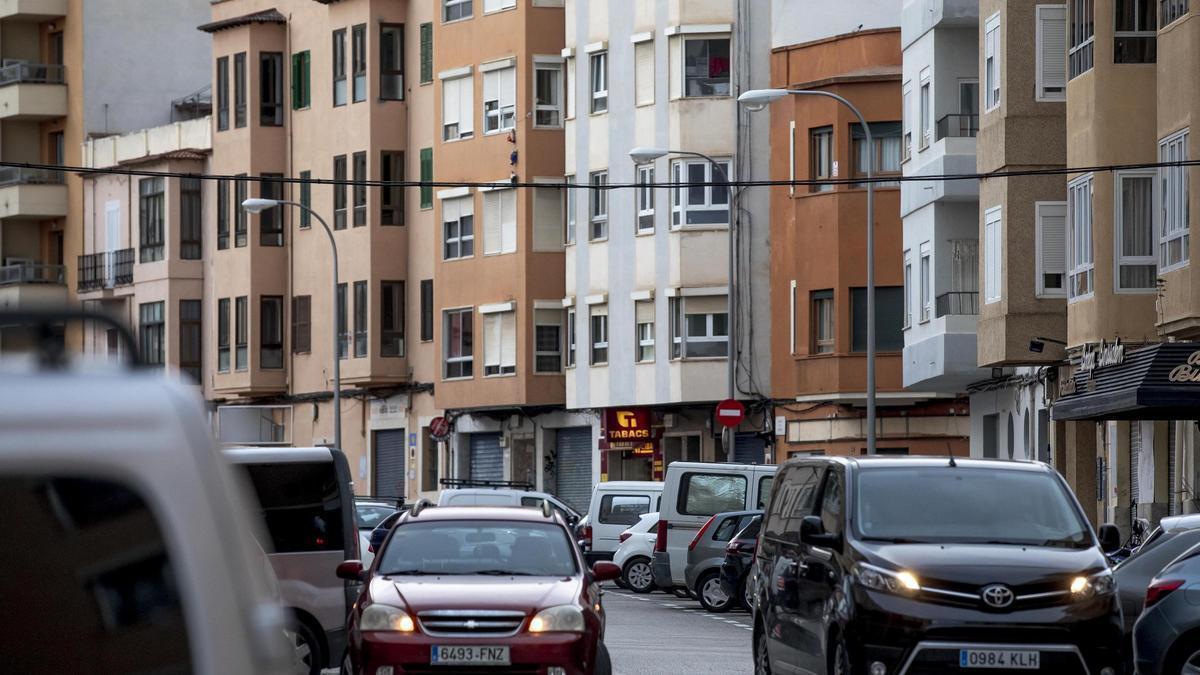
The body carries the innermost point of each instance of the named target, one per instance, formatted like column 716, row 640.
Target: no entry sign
column 730, row 413
column 439, row 428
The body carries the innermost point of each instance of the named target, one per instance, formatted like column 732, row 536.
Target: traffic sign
column 439, row 428
column 730, row 413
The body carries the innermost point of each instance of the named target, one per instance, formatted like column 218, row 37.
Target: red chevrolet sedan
column 478, row 590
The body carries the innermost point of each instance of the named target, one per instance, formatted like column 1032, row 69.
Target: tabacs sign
column 628, row 425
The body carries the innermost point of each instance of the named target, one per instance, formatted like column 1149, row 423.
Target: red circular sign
column 730, row 413
column 439, row 428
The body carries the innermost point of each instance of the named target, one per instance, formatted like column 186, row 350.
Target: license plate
column 468, row 655
column 1011, row 659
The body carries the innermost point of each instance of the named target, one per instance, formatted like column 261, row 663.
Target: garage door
column 389, row 463
column 574, row 467
column 487, row 457
column 749, row 449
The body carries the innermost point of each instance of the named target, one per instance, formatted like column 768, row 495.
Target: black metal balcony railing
column 11, row 175
column 32, row 273
column 105, row 269
column 958, row 126
column 33, row 73
column 957, row 303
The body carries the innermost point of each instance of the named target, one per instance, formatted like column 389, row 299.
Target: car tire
column 840, row 663
column 638, row 575
column 762, row 662
column 603, row 661
column 745, row 599
column 1183, row 661
column 307, row 648
column 347, row 666
column 711, row 593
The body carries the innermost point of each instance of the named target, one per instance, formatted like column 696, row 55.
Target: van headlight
column 386, row 617
column 1087, row 587
column 560, row 619
column 887, row 581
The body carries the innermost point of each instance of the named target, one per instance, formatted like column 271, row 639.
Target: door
column 112, row 239
column 788, row 641
column 702, row 493
column 487, row 457
column 820, row 575
column 573, row 467
column 389, row 464
column 749, row 449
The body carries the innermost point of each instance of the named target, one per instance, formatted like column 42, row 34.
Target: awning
column 1160, row 382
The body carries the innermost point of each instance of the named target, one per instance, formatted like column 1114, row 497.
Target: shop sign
column 643, row 450
column 1066, row 386
column 1103, row 356
column 628, row 425
column 1187, row 372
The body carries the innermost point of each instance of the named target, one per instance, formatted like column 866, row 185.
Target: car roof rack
column 399, row 500
column 420, row 506
column 47, row 323
column 493, row 484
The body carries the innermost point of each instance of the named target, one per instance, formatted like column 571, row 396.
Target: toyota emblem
column 997, row 596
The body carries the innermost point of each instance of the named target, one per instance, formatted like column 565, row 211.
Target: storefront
column 630, row 446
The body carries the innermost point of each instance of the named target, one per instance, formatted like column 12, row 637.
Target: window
column 453, row 10
column 294, row 500
column 675, row 326
column 598, row 315
column 458, row 228
column 706, row 494
column 906, row 114
column 547, row 218
column 270, row 334
column 908, row 288
column 1051, row 223
column 391, row 62
column 889, row 331
column 457, row 108
column 599, row 71
column 497, row 5
column 239, row 90
column 926, row 283
column 1083, row 36
column 1173, row 216
column 360, row 190
column 623, row 510
column 499, row 343
column 270, row 89
column 706, row 320
column 645, row 198
column 499, row 221
column 569, row 221
column 270, row 221
column 569, row 78
column 191, row 224
column 1080, row 256
column 241, row 333
column 548, row 340
column 993, row 235
column 643, row 72
column 459, row 347
column 339, row 67
column 301, row 80
column 302, row 324
column 598, row 210
column 339, row 192
column 822, row 322
column 223, row 93
column 391, row 202
column 643, row 312
column 151, row 202
column 499, row 100
column 190, row 336
column 926, row 111
column 792, row 317
column 391, row 318
column 426, row 53
column 305, row 199
column 832, row 516
column 150, row 333
column 426, row 178
column 700, row 203
column 358, row 56
column 547, row 94
column 1137, row 266
column 1136, row 30
column 820, row 148
column 706, row 67
column 360, row 319
column 571, row 341
column 1170, row 10
column 222, row 215
column 223, row 335
column 240, row 191
column 991, row 63
column 1051, row 39
column 886, row 141
column 343, row 323
column 426, row 310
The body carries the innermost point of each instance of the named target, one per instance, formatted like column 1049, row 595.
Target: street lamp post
column 255, row 205
column 759, row 99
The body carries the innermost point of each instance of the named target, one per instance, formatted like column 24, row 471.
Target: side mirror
column 812, row 532
column 350, row 570
column 605, row 571
column 1110, row 538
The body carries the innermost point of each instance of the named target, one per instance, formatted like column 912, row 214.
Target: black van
column 906, row 566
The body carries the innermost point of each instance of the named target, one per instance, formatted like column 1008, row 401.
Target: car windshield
column 965, row 505
column 369, row 516
column 479, row 547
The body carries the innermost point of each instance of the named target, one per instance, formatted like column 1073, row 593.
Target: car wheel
column 603, row 661
column 841, row 659
column 1189, row 664
column 746, row 595
column 638, row 576
column 306, row 649
column 347, row 667
column 762, row 662
column 711, row 593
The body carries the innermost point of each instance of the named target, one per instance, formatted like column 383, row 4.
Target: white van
column 616, row 506
column 692, row 492
column 505, row 497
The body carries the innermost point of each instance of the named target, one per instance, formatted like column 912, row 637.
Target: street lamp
column 257, row 205
column 758, row 99
column 643, row 155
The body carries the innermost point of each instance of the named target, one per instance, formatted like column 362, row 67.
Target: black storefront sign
column 1159, row 382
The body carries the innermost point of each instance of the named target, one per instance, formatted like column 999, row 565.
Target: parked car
column 1167, row 542
column 706, row 554
column 506, row 497
column 457, row 588
column 634, row 551
column 369, row 512
column 375, row 539
column 616, row 506
column 307, row 504
column 735, row 570
column 880, row 564
column 692, row 492
column 1166, row 637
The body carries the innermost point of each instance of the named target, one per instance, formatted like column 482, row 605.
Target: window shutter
column 547, row 219
column 1052, row 50
column 491, row 222
column 508, row 87
column 508, row 340
column 992, row 256
column 491, row 85
column 569, row 73
column 466, row 105
column 645, row 311
column 1052, row 241
column 508, row 221
column 644, row 71
column 426, row 52
column 450, row 102
column 297, row 69
column 491, row 340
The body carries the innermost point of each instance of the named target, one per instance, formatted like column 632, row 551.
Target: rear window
column 369, row 516
column 704, row 494
column 726, row 528
column 795, row 500
column 301, row 505
column 623, row 509
column 764, row 491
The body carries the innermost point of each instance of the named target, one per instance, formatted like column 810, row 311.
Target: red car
column 478, row 590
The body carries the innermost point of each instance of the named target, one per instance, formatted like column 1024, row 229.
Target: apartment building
column 818, row 250
column 647, row 273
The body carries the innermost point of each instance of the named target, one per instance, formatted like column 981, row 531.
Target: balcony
column 32, row 193
column 958, row 126
column 957, row 303
column 27, row 283
column 105, row 270
column 32, row 10
column 32, row 91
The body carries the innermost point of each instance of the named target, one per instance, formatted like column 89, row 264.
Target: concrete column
column 1117, row 468
column 1154, row 506
column 1080, row 465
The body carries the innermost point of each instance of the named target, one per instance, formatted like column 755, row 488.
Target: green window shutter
column 426, row 177
column 296, row 71
column 306, row 93
column 426, row 53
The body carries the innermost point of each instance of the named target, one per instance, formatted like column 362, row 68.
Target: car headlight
column 887, row 581
column 386, row 617
column 561, row 619
column 1087, row 587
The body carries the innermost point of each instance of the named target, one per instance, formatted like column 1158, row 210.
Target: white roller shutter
column 508, row 88
column 466, row 105
column 491, row 222
column 491, row 340
column 1052, row 247
column 1051, row 51
column 643, row 72
column 451, row 105
column 508, row 339
column 547, row 219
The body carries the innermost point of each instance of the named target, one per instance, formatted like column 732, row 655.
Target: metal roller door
column 1135, row 452
column 487, row 457
column 749, row 449
column 389, row 463
column 574, row 467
